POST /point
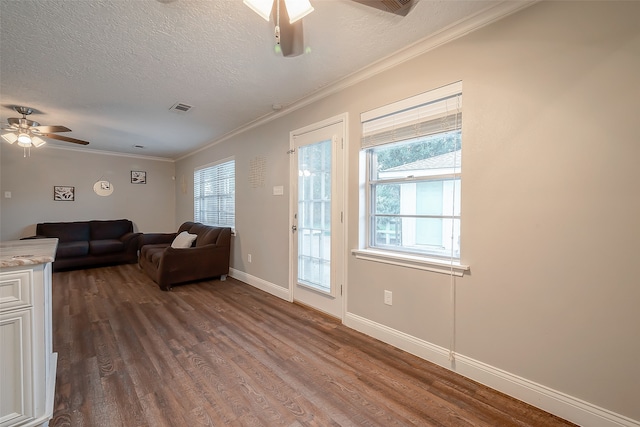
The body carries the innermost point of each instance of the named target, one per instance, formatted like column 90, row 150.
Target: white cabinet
column 16, row 397
column 27, row 362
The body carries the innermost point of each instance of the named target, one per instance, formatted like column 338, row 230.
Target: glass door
column 317, row 247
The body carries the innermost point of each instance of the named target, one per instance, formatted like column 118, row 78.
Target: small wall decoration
column 257, row 168
column 103, row 188
column 138, row 177
column 63, row 193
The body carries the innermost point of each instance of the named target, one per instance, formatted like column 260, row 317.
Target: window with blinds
column 413, row 158
column 214, row 192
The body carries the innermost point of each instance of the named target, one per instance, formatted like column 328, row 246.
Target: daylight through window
column 413, row 159
column 214, row 191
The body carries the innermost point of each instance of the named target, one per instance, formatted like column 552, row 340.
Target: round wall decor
column 103, row 188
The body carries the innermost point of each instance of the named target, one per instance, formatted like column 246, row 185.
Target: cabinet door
column 16, row 400
column 15, row 290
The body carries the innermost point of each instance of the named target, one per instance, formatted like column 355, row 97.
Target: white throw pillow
column 183, row 240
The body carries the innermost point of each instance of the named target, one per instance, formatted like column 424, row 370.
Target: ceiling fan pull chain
column 277, row 48
column 277, row 30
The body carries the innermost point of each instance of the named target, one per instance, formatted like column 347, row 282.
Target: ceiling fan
column 288, row 32
column 28, row 133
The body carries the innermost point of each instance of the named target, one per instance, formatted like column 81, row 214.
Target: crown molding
column 442, row 37
column 110, row 153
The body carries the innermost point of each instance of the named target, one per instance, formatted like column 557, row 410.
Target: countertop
column 14, row 253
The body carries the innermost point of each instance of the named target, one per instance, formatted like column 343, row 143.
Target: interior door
column 317, row 254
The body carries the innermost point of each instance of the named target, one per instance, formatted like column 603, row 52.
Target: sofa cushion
column 72, row 249
column 183, row 240
column 109, row 229
column 106, row 246
column 64, row 231
column 153, row 253
column 206, row 234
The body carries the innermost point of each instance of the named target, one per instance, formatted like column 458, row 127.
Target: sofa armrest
column 156, row 238
column 126, row 238
column 131, row 242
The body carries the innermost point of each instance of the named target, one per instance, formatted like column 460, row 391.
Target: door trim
column 342, row 275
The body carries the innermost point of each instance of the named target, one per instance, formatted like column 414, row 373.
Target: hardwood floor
column 224, row 353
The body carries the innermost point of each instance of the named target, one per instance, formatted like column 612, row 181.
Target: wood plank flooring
column 224, row 353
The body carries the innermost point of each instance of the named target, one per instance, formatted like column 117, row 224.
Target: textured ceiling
column 111, row 70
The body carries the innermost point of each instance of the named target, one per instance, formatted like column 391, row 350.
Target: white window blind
column 214, row 191
column 436, row 111
column 412, row 184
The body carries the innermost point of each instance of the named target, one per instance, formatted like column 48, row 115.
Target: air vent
column 399, row 7
column 180, row 107
column 395, row 5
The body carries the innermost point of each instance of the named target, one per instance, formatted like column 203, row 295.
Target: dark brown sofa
column 83, row 244
column 208, row 256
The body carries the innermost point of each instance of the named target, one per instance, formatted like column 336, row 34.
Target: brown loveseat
column 83, row 244
column 207, row 257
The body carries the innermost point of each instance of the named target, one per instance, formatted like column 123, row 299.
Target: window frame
column 203, row 169
column 371, row 215
column 378, row 132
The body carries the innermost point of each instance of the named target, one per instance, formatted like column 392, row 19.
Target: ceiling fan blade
column 291, row 35
column 64, row 138
column 50, row 129
column 22, row 123
column 398, row 7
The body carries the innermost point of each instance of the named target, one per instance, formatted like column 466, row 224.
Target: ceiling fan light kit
column 289, row 35
column 10, row 137
column 296, row 9
column 28, row 133
column 261, row 7
column 24, row 140
column 37, row 141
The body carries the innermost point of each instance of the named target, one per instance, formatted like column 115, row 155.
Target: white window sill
column 412, row 261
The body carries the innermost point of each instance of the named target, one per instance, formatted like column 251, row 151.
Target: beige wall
column 261, row 218
column 550, row 210
column 30, row 180
column 550, row 213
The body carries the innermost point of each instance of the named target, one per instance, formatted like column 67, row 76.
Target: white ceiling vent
column 180, row 107
column 399, row 7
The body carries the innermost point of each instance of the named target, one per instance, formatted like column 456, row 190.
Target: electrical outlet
column 388, row 297
column 249, row 257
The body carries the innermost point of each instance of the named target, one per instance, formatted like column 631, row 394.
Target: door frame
column 341, row 274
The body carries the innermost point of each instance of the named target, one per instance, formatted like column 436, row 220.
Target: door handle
column 293, row 228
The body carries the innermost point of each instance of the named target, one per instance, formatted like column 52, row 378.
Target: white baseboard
column 560, row 404
column 263, row 285
column 545, row 398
